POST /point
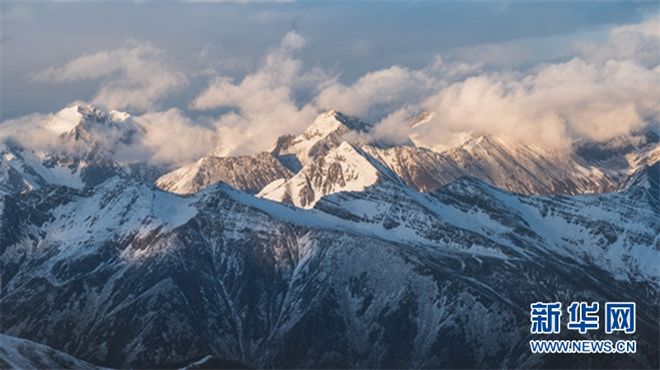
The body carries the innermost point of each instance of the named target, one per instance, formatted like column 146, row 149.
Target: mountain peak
column 91, row 125
column 71, row 120
column 344, row 167
column 66, row 120
column 420, row 119
column 483, row 142
column 325, row 133
column 331, row 122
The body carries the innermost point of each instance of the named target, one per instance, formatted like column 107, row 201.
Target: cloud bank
column 161, row 138
column 603, row 91
column 553, row 105
column 597, row 91
column 607, row 91
column 263, row 105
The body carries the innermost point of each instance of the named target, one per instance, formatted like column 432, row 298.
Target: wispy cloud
column 172, row 138
column 611, row 90
column 553, row 105
column 608, row 89
column 639, row 42
column 378, row 93
column 263, row 104
column 134, row 77
column 160, row 138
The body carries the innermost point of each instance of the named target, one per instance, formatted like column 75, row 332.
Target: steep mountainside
column 16, row 353
column 528, row 169
column 248, row 173
column 129, row 276
column 525, row 168
column 514, row 166
column 326, row 132
column 344, row 168
column 317, row 168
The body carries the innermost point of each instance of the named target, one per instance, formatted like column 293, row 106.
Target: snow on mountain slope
column 208, row 362
column 647, row 176
column 528, row 169
column 24, row 170
column 17, row 353
column 517, row 167
column 388, row 277
column 343, row 168
column 65, row 120
column 253, row 173
column 91, row 135
column 324, row 134
column 523, row 168
column 619, row 232
column 78, row 218
column 77, row 149
column 421, row 169
column 248, row 173
column 122, row 274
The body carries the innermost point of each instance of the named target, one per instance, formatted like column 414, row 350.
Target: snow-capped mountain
column 527, row 168
column 351, row 256
column 325, row 133
column 81, row 150
column 332, row 156
column 298, row 170
column 343, row 168
column 125, row 275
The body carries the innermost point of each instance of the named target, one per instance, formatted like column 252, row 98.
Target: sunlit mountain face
column 332, row 201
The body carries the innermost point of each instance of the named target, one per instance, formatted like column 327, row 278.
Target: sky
column 228, row 77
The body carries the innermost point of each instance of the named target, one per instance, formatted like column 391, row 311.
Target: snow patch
column 65, row 120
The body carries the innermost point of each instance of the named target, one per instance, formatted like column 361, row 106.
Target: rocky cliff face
column 248, row 173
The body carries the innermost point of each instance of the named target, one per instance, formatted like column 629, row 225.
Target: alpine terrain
column 328, row 251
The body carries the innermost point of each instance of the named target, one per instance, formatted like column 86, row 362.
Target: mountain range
column 326, row 251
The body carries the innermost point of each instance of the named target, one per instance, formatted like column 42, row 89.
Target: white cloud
column 555, row 104
column 639, row 42
column 52, row 133
column 172, row 138
column 379, row 93
column 263, row 102
column 611, row 90
column 160, row 138
column 374, row 92
column 135, row 77
column 28, row 131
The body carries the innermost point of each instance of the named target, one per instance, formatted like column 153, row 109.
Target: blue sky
column 381, row 60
